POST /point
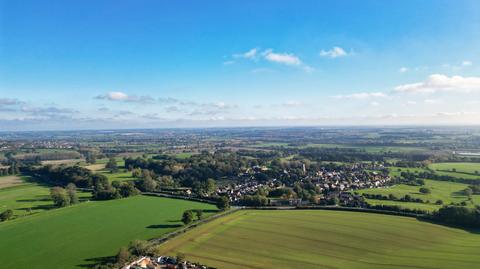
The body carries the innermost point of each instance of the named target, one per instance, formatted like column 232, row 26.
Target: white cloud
column 120, row 96
column 374, row 103
column 116, row 96
column 467, row 63
column 437, row 82
column 403, row 69
column 411, row 103
column 361, row 95
column 282, row 58
column 334, row 52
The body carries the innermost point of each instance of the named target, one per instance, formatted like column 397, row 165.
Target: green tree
column 468, row 192
column 138, row 247
column 223, row 203
column 199, row 214
column 72, row 193
column 148, row 184
column 187, row 217
column 59, row 196
column 425, row 190
column 112, row 165
column 123, row 256
column 6, row 215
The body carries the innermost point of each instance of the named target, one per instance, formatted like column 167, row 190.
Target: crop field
column 95, row 167
column 448, row 192
column 326, row 239
column 29, row 198
column 9, row 181
column 76, row 236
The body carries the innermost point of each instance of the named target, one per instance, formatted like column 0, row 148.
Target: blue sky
column 135, row 64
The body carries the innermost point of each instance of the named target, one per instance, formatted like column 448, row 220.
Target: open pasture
column 325, row 239
column 29, row 197
column 76, row 236
column 448, row 192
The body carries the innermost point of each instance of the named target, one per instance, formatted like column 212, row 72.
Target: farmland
column 448, row 192
column 9, row 181
column 459, row 167
column 73, row 236
column 326, row 239
column 29, row 197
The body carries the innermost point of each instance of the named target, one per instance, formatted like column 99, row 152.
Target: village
column 330, row 184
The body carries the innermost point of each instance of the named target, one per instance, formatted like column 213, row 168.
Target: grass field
column 72, row 236
column 183, row 155
column 326, row 239
column 446, row 191
column 29, row 196
column 394, row 171
column 461, row 167
column 120, row 176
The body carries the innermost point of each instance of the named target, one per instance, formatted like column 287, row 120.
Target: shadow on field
column 98, row 260
column 39, row 207
column 44, row 199
column 210, row 210
column 164, row 226
column 468, row 229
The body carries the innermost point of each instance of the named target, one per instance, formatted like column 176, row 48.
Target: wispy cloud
column 251, row 54
column 9, row 102
column 403, row 69
column 334, row 52
column 281, row 58
column 361, row 95
column 292, row 103
column 438, row 82
column 121, row 96
column 269, row 55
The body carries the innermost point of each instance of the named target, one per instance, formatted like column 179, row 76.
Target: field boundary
column 339, row 208
column 173, row 196
column 171, row 235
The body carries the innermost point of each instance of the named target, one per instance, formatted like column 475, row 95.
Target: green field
column 395, row 171
column 120, row 176
column 183, row 155
column 31, row 197
column 448, row 192
column 462, row 169
column 326, row 239
column 73, row 236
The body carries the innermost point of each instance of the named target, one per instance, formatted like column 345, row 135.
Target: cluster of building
column 334, row 181
column 237, row 190
column 163, row 262
column 329, row 183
